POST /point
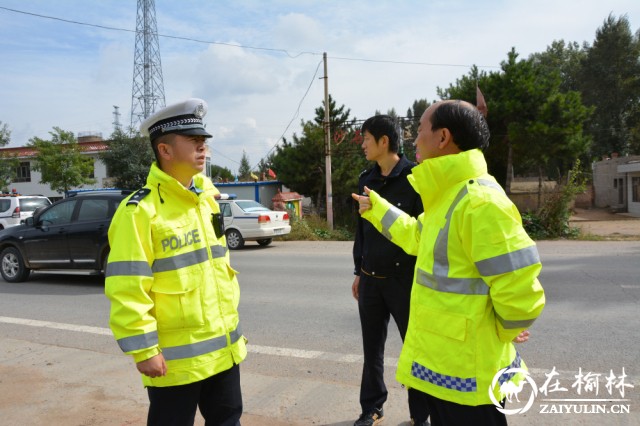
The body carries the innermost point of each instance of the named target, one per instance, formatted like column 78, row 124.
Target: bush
column 314, row 228
column 552, row 219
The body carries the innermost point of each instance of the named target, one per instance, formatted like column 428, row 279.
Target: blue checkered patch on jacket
column 450, row 382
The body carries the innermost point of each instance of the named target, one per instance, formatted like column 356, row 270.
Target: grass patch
column 315, row 228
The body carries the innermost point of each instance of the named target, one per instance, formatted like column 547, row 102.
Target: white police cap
column 183, row 118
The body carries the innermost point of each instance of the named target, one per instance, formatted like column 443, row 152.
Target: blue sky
column 55, row 73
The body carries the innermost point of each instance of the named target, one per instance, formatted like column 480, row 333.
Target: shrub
column 552, row 219
column 314, row 228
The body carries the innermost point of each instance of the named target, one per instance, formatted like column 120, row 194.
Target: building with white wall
column 616, row 184
column 28, row 182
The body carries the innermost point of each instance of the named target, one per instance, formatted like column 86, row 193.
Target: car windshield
column 251, row 206
column 30, row 204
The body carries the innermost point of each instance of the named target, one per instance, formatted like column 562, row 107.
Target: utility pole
column 148, row 88
column 327, row 145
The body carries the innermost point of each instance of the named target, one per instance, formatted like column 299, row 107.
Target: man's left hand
column 522, row 337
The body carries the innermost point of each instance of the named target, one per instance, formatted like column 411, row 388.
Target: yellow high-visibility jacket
column 475, row 283
column 171, row 286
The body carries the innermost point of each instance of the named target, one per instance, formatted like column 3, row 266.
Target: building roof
column 27, row 151
column 287, row 196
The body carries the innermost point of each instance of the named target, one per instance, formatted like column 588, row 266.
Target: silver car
column 248, row 220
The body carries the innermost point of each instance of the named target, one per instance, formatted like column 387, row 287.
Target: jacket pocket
column 178, row 303
column 442, row 342
column 444, row 324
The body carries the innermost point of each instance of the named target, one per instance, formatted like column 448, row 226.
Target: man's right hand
column 153, row 367
column 364, row 203
column 354, row 287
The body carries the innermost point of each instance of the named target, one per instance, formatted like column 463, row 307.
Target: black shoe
column 424, row 423
column 373, row 417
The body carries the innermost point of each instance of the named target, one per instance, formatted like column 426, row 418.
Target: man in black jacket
column 384, row 272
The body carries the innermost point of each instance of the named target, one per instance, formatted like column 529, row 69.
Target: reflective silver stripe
column 200, row 348
column 419, row 226
column 141, row 341
column 134, row 268
column 470, row 286
column 180, row 261
column 507, row 324
column 440, row 252
column 218, row 251
column 491, row 184
column 388, row 220
column 235, row 334
column 509, row 262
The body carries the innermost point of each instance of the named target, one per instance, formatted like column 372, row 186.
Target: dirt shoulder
column 600, row 222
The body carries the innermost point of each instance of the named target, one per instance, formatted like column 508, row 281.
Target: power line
column 243, row 46
column 223, row 156
column 295, row 115
column 383, row 61
column 104, row 27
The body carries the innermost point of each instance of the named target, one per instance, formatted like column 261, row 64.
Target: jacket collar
column 171, row 188
column 435, row 175
column 397, row 169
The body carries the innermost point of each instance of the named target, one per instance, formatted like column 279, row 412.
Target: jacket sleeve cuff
column 146, row 354
column 379, row 207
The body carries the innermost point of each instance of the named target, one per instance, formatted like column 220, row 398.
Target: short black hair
column 168, row 139
column 383, row 125
column 466, row 124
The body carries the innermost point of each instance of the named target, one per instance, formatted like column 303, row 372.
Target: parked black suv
column 69, row 234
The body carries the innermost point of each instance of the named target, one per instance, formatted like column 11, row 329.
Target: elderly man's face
column 428, row 140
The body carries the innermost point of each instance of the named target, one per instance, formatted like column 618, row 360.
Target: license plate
column 278, row 231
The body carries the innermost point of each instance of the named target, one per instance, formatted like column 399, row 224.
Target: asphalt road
column 60, row 366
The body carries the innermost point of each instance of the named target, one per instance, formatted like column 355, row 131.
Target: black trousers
column 445, row 413
column 380, row 298
column 218, row 398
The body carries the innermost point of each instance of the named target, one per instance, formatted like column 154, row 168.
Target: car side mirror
column 28, row 221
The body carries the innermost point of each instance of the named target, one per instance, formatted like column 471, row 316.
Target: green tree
column 8, row 164
column 61, row 162
column 410, row 127
column 565, row 58
column 5, row 134
column 610, row 81
column 220, row 173
column 128, row 159
column 533, row 123
column 244, row 171
column 301, row 162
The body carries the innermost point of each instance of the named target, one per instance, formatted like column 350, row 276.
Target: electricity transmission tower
column 147, row 94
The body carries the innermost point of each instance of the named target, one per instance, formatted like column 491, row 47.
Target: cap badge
column 199, row 112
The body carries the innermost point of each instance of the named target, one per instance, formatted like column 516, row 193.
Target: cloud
column 297, row 31
column 69, row 75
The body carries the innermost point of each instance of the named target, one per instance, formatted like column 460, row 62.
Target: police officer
column 476, row 285
column 383, row 271
column 174, row 296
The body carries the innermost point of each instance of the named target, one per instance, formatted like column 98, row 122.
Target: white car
column 248, row 220
column 16, row 208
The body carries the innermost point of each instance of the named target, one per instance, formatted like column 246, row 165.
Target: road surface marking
column 257, row 349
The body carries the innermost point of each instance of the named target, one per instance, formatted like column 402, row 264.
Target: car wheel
column 12, row 266
column 234, row 239
column 265, row 242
